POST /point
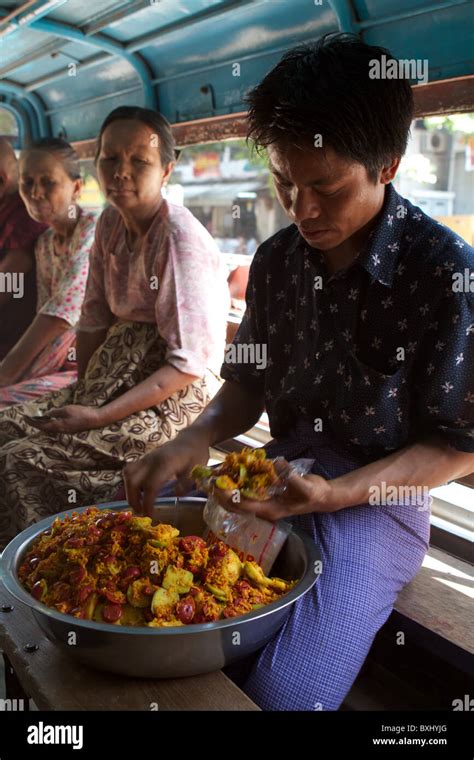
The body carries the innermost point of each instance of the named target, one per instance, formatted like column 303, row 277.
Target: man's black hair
column 323, row 88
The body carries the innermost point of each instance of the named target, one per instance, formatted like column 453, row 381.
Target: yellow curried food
column 248, row 471
column 117, row 568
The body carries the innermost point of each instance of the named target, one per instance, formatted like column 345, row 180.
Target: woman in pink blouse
column 150, row 343
column 44, row 357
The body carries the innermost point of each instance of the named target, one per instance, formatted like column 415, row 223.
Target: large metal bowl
column 165, row 652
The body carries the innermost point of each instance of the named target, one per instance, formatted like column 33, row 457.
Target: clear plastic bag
column 249, row 535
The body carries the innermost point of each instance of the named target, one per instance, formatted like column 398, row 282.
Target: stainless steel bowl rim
column 8, row 575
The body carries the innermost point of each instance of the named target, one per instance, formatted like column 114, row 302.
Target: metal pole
column 17, row 11
column 25, row 17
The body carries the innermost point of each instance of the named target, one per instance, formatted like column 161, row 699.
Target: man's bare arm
column 429, row 463
column 233, row 410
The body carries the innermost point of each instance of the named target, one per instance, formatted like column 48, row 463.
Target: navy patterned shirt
column 380, row 354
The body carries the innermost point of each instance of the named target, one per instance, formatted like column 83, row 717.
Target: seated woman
column 369, row 371
column 18, row 234
column 150, row 342
column 43, row 359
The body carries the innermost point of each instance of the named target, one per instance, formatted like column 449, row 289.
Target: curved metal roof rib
column 19, row 115
column 32, row 104
column 107, row 45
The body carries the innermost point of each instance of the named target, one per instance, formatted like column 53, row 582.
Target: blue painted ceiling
column 64, row 64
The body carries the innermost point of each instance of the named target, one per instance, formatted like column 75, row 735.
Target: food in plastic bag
column 251, row 475
column 248, row 471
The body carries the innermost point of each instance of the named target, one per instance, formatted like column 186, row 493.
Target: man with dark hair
column 370, row 364
column 18, row 233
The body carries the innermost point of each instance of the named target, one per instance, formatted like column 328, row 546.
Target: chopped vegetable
column 178, row 579
column 164, row 601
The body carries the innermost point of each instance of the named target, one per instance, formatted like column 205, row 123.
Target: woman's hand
column 144, row 478
column 310, row 493
column 73, row 418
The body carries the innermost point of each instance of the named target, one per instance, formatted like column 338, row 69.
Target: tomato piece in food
column 185, row 610
column 83, row 593
column 75, row 543
column 112, row 612
column 77, row 575
column 105, row 522
column 39, row 590
column 123, row 517
column 131, row 573
column 112, row 594
column 94, row 534
column 188, row 544
column 61, row 592
column 218, row 550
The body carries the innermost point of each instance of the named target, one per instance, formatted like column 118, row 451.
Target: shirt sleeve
column 444, row 374
column 68, row 293
column 192, row 302
column 96, row 314
column 245, row 357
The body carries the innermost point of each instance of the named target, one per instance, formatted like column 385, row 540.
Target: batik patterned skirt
column 42, row 474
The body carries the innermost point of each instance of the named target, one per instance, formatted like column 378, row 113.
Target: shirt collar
column 380, row 257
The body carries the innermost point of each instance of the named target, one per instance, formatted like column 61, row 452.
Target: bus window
column 8, row 125
column 437, row 170
column 227, row 187
column 91, row 197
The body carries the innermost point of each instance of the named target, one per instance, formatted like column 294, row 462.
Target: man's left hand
column 310, row 493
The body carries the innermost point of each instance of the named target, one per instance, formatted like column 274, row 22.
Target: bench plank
column 57, row 682
column 440, row 598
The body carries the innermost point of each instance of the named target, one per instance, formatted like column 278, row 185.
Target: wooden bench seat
column 440, row 598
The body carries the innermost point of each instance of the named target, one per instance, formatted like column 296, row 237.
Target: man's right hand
column 145, row 477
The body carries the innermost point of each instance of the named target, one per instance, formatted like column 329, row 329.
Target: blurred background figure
column 18, row 233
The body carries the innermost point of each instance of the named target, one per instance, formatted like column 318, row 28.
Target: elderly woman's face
column 129, row 166
column 48, row 192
